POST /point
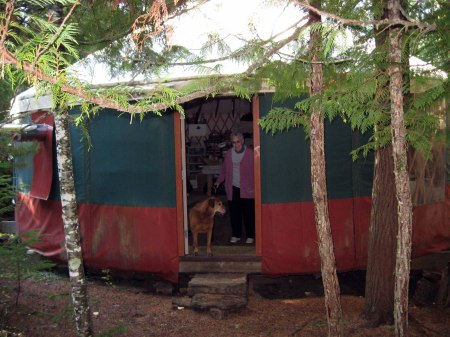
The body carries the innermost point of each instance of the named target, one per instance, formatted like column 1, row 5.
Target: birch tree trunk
column 319, row 191
column 403, row 193
column 71, row 227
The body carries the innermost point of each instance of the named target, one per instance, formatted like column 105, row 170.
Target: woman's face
column 237, row 143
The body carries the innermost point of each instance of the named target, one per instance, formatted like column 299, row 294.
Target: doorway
column 206, row 131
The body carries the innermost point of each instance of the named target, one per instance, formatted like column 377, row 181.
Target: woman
column 237, row 173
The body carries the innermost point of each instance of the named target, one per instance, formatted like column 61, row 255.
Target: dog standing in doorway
column 201, row 220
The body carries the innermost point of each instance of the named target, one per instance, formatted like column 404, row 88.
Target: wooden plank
column 224, row 284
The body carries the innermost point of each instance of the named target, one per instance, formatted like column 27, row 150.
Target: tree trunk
column 71, row 227
column 379, row 293
column 319, row 191
column 403, row 193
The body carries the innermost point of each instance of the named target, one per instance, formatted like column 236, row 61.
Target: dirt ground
column 293, row 307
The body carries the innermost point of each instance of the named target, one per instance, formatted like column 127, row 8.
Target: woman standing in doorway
column 237, row 173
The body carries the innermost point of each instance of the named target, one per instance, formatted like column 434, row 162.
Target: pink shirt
column 246, row 176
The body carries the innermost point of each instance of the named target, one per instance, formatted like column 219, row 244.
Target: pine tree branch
column 105, row 102
column 389, row 22
column 276, row 48
column 106, row 40
column 236, row 54
column 100, row 101
column 9, row 9
column 297, row 59
column 56, row 35
column 179, row 12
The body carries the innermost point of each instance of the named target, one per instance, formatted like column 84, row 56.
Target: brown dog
column 201, row 220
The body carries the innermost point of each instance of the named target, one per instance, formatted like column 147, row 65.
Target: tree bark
column 379, row 292
column 71, row 227
column 319, row 191
column 403, row 193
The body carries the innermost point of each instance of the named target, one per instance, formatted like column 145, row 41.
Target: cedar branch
column 9, row 9
column 389, row 22
column 276, row 48
column 56, row 35
column 103, row 102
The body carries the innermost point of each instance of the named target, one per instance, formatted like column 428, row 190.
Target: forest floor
column 291, row 306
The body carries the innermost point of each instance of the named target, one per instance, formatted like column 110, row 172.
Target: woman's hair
column 237, row 134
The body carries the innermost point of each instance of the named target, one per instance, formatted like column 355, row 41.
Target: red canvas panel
column 289, row 245
column 44, row 216
column 342, row 229
column 139, row 239
column 289, row 239
column 361, row 220
column 431, row 228
column 43, row 160
column 142, row 239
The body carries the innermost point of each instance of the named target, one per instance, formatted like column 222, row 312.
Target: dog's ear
column 211, row 202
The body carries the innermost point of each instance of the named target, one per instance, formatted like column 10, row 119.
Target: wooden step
column 223, row 302
column 219, row 293
column 220, row 264
column 224, row 284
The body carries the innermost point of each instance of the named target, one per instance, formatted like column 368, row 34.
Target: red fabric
column 431, row 228
column 287, row 245
column 43, row 160
column 142, row 239
column 44, row 216
column 289, row 238
column 139, row 239
column 361, row 219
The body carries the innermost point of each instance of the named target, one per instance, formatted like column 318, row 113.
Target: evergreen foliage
column 357, row 89
column 6, row 189
column 6, row 93
column 7, row 153
column 433, row 47
column 50, row 49
column 16, row 263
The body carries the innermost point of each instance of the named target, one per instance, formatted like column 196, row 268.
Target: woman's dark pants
column 242, row 209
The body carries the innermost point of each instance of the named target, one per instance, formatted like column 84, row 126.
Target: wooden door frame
column 180, row 176
column 257, row 173
column 180, row 185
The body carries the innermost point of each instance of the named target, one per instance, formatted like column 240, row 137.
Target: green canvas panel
column 129, row 164
column 362, row 168
column 79, row 160
column 338, row 145
column 286, row 161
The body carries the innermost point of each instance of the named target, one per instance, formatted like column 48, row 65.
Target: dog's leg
column 195, row 241
column 208, row 247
